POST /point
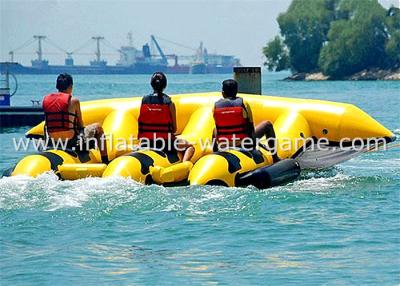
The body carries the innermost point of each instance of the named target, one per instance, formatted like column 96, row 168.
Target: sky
column 232, row 27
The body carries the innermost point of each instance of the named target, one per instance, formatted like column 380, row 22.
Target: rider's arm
column 173, row 113
column 249, row 112
column 214, row 136
column 250, row 120
column 77, row 110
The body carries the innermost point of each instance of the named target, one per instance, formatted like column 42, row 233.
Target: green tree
column 392, row 49
column 337, row 37
column 392, row 46
column 357, row 40
column 304, row 27
column 276, row 53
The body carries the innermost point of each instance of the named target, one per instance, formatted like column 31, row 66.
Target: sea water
column 337, row 226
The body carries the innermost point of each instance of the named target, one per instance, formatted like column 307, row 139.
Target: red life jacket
column 155, row 119
column 57, row 117
column 229, row 120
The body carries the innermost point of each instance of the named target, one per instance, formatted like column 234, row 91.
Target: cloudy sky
column 236, row 27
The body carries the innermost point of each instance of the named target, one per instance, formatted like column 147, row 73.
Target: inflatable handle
column 270, row 176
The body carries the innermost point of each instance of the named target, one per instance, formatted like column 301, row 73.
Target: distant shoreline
column 367, row 74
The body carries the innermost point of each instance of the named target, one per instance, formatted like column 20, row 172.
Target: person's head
column 64, row 83
column 158, row 82
column 229, row 88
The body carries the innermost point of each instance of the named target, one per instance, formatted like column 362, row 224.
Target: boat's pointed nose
column 355, row 123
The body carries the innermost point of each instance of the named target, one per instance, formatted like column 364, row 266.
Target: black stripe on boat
column 172, row 156
column 55, row 160
column 145, row 161
column 82, row 155
column 217, row 183
column 256, row 155
column 233, row 161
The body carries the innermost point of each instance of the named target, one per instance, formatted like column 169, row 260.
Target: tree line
column 336, row 37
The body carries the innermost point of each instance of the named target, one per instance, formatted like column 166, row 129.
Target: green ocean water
column 337, row 226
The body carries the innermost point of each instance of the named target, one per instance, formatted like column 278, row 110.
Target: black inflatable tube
column 277, row 174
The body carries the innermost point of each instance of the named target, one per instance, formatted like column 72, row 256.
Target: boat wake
column 101, row 196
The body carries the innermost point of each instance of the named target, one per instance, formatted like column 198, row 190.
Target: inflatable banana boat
column 301, row 122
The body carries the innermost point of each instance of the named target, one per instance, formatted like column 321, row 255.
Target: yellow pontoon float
column 301, row 122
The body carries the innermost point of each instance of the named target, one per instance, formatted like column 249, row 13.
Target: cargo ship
column 205, row 63
column 131, row 61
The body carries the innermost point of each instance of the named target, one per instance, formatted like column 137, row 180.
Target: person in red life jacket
column 234, row 121
column 63, row 119
column 157, row 120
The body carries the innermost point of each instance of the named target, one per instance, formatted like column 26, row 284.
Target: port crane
column 164, row 56
column 69, row 60
column 160, row 51
column 97, row 61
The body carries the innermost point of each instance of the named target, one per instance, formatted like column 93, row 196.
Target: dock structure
column 17, row 116
column 249, row 79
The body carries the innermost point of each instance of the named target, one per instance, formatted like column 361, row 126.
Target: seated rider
column 157, row 120
column 234, row 122
column 63, row 119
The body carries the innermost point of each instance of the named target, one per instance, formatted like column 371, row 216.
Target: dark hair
column 158, row 81
column 64, row 81
column 230, row 87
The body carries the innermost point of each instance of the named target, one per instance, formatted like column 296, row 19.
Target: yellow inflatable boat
column 301, row 122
